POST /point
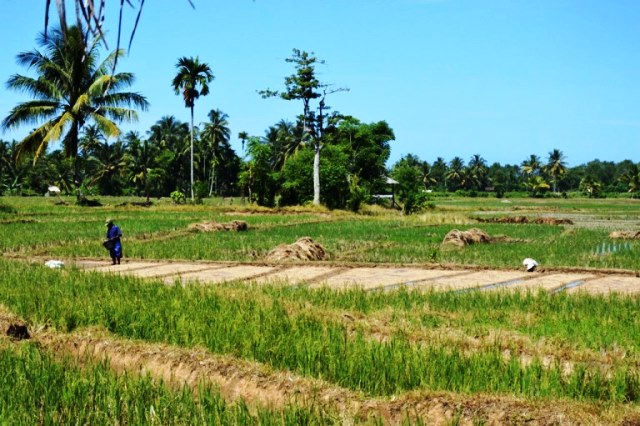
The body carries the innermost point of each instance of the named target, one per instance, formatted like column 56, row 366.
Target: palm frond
column 108, row 127
column 29, row 113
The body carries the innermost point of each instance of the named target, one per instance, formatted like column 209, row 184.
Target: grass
column 258, row 326
column 38, row 227
column 38, row 389
column 398, row 341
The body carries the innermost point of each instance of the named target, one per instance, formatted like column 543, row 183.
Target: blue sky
column 499, row 78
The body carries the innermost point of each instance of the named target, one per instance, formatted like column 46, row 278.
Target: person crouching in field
column 112, row 242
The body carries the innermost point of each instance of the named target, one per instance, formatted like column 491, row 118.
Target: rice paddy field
column 102, row 348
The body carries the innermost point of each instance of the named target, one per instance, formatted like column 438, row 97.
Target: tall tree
column 192, row 80
column 172, row 137
column 145, row 162
column 303, row 85
column 531, row 166
column 632, row 178
column 215, row 133
column 70, row 90
column 556, row 167
column 243, row 136
column 108, row 167
column 439, row 170
column 455, row 173
column 477, row 173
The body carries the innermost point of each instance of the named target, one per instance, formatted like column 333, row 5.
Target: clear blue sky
column 499, row 78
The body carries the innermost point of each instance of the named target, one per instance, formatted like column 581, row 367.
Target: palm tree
column 537, row 185
column 477, row 172
column 108, row 163
column 556, row 167
column 70, row 90
column 192, row 74
column 215, row 133
column 143, row 163
column 531, row 166
column 632, row 178
column 427, row 176
column 455, row 173
column 91, row 139
column 284, row 141
column 591, row 185
column 243, row 136
column 439, row 171
column 172, row 136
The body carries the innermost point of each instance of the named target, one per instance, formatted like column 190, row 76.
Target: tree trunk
column 211, row 180
column 191, row 163
column 316, row 175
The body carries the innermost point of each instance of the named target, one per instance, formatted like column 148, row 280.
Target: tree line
column 79, row 100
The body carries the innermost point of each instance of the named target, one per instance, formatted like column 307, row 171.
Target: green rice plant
column 160, row 232
column 262, row 329
column 37, row 389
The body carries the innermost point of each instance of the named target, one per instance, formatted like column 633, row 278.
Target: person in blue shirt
column 113, row 241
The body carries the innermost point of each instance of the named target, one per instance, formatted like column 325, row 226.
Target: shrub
column 178, row 197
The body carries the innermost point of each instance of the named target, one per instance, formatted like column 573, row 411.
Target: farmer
column 112, row 242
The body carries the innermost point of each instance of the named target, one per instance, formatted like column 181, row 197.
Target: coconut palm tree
column 192, row 80
column 144, row 163
column 108, row 163
column 172, row 136
column 477, row 172
column 69, row 91
column 591, row 185
column 215, row 133
column 556, row 167
column 90, row 140
column 455, row 173
column 632, row 178
column 531, row 166
column 243, row 136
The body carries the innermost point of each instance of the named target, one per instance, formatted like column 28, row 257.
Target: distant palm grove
column 320, row 156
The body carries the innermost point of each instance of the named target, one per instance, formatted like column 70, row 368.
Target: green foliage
column 367, row 147
column 258, row 323
column 178, row 197
column 410, row 189
column 7, row 209
column 357, row 195
column 297, row 178
column 69, row 91
column 258, row 176
column 201, row 190
column 38, row 389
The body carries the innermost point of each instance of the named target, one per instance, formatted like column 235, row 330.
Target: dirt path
column 375, row 277
column 259, row 385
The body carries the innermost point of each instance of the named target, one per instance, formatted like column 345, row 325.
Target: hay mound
column 524, row 219
column 303, row 249
column 236, row 225
column 465, row 238
column 625, row 235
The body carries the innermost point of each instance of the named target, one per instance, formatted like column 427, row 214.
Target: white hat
column 530, row 264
